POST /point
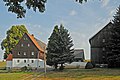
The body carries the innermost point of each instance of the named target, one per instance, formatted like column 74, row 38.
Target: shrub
column 89, row 66
column 24, row 68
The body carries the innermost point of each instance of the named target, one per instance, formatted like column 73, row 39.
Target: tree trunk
column 56, row 65
column 61, row 67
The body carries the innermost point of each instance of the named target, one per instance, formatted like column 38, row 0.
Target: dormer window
column 28, row 45
column 18, row 53
column 24, row 53
column 21, row 45
column 32, row 53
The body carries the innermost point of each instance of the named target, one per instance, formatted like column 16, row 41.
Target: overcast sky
column 82, row 20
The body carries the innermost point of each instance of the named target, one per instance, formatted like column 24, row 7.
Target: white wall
column 36, row 64
column 9, row 64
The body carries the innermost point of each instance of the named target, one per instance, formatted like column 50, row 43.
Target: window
column 28, row 45
column 25, row 38
column 24, row 61
column 32, row 61
column 21, row 45
column 18, row 61
column 18, row 53
column 103, row 49
column 103, row 40
column 32, row 53
column 24, row 53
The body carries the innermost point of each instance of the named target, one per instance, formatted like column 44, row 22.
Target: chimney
column 32, row 35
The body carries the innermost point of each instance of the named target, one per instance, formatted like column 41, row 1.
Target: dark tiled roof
column 39, row 44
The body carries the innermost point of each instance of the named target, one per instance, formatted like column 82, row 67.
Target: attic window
column 25, row 38
column 21, row 45
column 18, row 53
column 28, row 45
column 32, row 53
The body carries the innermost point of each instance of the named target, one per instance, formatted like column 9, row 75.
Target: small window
column 32, row 61
column 28, row 45
column 18, row 53
column 103, row 40
column 103, row 49
column 32, row 53
column 24, row 61
column 25, row 38
column 18, row 61
column 21, row 45
column 24, row 53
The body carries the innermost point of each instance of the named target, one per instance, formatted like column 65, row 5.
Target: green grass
column 66, row 74
column 2, row 64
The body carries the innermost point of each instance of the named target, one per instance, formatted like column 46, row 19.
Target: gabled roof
column 39, row 44
column 10, row 57
column 110, row 23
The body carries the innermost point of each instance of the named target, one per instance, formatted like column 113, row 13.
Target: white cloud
column 73, row 13
column 112, row 12
column 105, row 3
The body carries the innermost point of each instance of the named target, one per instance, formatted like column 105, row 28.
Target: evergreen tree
column 12, row 38
column 60, row 48
column 113, row 54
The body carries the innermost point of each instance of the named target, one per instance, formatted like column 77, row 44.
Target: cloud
column 112, row 12
column 105, row 3
column 73, row 13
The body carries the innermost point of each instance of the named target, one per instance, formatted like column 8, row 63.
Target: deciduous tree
column 13, row 36
column 18, row 6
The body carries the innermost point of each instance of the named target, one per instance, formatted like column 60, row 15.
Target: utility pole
column 45, row 61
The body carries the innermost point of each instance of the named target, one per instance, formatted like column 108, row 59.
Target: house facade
column 28, row 52
column 98, row 44
column 79, row 55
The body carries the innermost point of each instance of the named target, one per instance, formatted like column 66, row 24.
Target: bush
column 89, row 66
column 24, row 68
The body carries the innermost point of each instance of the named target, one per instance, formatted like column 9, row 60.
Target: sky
column 82, row 20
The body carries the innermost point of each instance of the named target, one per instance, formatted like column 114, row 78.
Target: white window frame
column 32, row 61
column 18, row 53
column 25, row 61
column 21, row 45
column 28, row 45
column 24, row 53
column 32, row 53
column 18, row 61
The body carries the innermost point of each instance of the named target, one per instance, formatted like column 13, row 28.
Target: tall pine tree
column 60, row 47
column 113, row 55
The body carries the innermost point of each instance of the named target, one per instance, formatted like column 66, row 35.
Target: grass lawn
column 2, row 64
column 67, row 74
column 82, row 74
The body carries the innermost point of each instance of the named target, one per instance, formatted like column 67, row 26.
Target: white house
column 28, row 52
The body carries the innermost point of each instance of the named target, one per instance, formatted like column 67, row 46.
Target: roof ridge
column 35, row 42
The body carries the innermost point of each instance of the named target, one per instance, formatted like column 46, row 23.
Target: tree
column 13, row 36
column 60, row 48
column 113, row 55
column 17, row 6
